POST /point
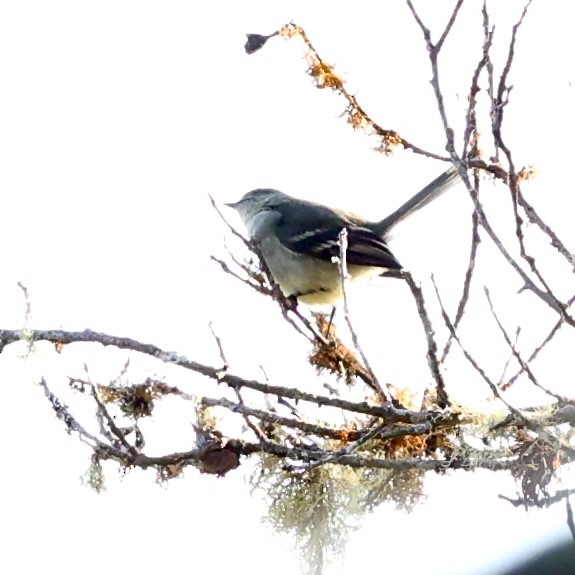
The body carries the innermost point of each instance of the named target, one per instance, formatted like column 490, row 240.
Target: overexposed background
column 117, row 118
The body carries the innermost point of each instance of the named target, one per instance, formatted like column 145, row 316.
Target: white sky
column 116, row 119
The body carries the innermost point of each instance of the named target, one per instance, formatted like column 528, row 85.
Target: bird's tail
column 432, row 191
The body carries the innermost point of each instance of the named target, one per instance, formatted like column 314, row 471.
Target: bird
column 299, row 240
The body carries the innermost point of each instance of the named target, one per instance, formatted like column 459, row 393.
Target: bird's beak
column 233, row 205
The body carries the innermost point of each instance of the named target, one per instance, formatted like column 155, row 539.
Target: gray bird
column 299, row 240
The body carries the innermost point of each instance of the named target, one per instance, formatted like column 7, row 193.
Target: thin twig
column 497, row 116
column 255, row 429
column 28, row 315
column 509, row 359
column 536, row 219
column 254, row 285
column 570, row 521
column 502, row 96
column 270, row 417
column 110, row 420
column 498, row 105
column 471, row 120
column 343, row 277
column 73, row 425
column 524, row 365
column 217, row 339
column 432, row 361
column 376, row 432
column 475, row 241
column 467, row 355
column 541, row 503
column 229, row 226
column 433, row 51
column 529, row 283
column 449, row 25
column 538, row 349
column 553, row 441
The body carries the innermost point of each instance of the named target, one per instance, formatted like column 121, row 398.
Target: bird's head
column 255, row 202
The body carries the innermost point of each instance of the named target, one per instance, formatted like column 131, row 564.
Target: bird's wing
column 316, row 232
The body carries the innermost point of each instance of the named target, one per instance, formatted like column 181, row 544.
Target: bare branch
column 386, row 411
column 324, row 76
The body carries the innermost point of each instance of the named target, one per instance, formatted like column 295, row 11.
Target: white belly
column 312, row 281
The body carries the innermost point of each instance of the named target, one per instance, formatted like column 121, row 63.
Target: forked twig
column 524, row 365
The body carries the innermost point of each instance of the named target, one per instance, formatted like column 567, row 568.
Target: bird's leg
column 290, row 301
